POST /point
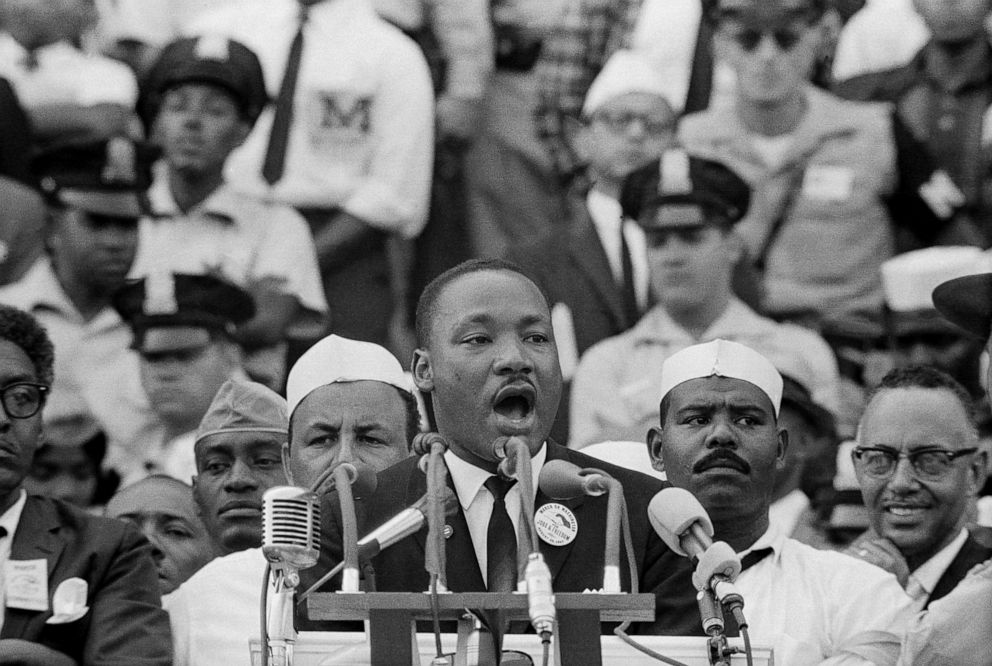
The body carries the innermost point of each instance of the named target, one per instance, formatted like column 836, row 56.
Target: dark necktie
column 275, row 155
column 628, row 292
column 697, row 97
column 501, row 540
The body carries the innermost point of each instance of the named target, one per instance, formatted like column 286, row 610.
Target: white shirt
column 9, row 520
column 607, row 217
column 363, row 133
column 216, row 611
column 822, row 607
column 881, row 35
column 925, row 577
column 477, row 501
column 65, row 75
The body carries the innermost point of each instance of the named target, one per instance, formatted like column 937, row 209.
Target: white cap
column 722, row 358
column 909, row 279
column 625, row 72
column 336, row 360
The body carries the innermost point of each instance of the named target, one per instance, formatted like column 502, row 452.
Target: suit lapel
column 36, row 538
column 586, row 250
column 971, row 553
column 555, row 556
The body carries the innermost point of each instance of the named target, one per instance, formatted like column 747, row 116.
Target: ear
column 783, row 447
column 423, row 374
column 654, row 449
column 978, row 470
column 194, row 482
column 285, row 464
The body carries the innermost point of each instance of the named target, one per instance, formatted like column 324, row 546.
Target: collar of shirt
column 469, row 479
column 607, row 218
column 656, row 327
column 221, row 205
column 926, row 575
column 773, row 538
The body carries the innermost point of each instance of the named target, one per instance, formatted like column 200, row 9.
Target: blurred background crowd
column 260, row 173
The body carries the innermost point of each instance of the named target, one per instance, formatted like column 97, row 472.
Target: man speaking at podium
column 719, row 439
column 488, row 362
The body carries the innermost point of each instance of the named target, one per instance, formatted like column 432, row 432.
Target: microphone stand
column 431, row 447
column 344, row 474
column 611, row 555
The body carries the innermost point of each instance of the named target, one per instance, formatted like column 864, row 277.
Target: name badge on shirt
column 824, row 182
column 26, row 584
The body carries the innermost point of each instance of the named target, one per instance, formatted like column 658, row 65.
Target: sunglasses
column 785, row 38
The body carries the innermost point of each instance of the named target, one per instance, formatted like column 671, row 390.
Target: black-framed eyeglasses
column 928, row 464
column 23, row 399
column 785, row 38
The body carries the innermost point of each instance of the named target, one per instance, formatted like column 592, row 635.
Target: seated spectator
column 720, row 439
column 825, row 172
column 70, row 96
column 595, row 271
column 918, row 511
column 163, row 509
column 350, row 402
column 182, row 329
column 691, row 256
column 943, row 94
column 94, row 203
column 121, row 621
column 68, row 465
column 238, row 454
column 201, row 100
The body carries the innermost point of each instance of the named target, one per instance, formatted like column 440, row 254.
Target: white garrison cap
column 336, row 360
column 722, row 358
column 909, row 279
column 625, row 72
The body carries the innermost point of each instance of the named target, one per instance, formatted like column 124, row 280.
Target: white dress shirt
column 607, row 217
column 477, row 502
column 9, row 520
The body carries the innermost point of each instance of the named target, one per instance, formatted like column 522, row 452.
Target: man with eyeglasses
column 74, row 588
column 919, row 467
column 831, row 177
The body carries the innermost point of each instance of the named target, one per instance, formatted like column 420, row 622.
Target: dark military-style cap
column 209, row 59
column 103, row 178
column 683, row 191
column 768, row 14
column 173, row 311
column 967, row 303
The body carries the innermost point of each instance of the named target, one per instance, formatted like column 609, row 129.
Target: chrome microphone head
column 290, row 527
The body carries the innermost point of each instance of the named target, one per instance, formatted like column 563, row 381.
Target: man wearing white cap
column 348, row 401
column 719, row 438
column 597, row 274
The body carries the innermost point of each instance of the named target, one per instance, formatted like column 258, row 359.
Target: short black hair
column 926, row 377
column 429, row 297
column 23, row 330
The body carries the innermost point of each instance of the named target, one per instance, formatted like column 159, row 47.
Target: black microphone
column 406, row 522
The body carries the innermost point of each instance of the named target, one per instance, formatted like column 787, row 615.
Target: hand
column 17, row 652
column 457, row 118
column 882, row 553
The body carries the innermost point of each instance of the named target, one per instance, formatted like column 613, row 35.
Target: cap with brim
column 243, row 406
column 722, row 358
column 967, row 303
column 769, row 14
column 336, row 360
column 682, row 211
column 123, row 205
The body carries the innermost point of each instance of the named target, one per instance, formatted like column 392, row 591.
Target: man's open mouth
column 515, row 402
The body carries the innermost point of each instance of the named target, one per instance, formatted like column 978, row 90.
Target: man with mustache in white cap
column 719, row 438
column 348, row 401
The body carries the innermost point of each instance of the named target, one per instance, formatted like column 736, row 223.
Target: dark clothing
column 977, row 549
column 124, row 623
column 15, row 138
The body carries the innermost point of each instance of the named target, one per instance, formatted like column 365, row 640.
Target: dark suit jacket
column 975, row 550
column 574, row 567
column 125, row 624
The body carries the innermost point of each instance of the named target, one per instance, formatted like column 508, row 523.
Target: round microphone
column 290, row 527
column 673, row 512
column 562, row 480
column 425, row 441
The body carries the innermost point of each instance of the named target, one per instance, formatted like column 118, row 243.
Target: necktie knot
column 499, row 486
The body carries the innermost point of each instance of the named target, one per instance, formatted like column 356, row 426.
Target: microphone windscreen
column 672, row 511
column 561, row 480
column 365, row 481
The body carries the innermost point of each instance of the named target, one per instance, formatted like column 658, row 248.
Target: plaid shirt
column 591, row 31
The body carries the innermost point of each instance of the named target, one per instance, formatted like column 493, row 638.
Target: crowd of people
column 739, row 247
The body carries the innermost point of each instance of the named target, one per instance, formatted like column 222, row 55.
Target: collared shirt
column 62, row 74
column 477, row 502
column 615, row 392
column 822, row 607
column 363, row 133
column 924, row 578
column 95, row 368
column 607, row 218
column 9, row 521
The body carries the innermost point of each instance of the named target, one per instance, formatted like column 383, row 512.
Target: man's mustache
column 722, row 458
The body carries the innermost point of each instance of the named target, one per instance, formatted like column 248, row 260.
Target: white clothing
column 784, row 513
column 65, row 75
column 630, row 455
column 822, row 607
column 173, row 458
column 477, row 501
column 215, row 612
column 363, row 131
column 9, row 521
column 881, row 35
column 607, row 218
column 926, row 576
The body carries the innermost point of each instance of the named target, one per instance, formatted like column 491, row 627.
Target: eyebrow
column 17, row 379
